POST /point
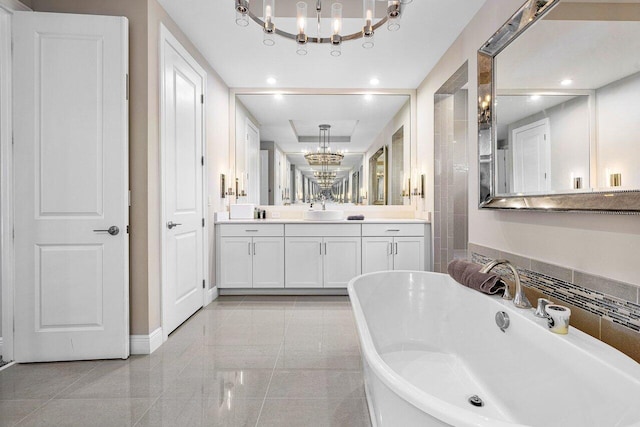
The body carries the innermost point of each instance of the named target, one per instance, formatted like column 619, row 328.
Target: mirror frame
column 595, row 201
column 412, row 93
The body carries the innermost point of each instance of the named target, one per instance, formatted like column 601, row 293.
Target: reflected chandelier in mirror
column 558, row 101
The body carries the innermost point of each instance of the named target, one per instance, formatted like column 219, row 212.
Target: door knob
column 171, row 225
column 113, row 230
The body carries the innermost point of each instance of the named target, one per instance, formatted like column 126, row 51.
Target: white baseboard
column 211, row 295
column 145, row 344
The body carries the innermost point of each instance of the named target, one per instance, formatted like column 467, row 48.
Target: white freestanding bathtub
column 429, row 344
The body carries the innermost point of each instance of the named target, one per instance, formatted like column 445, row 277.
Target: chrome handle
column 249, row 247
column 396, row 248
column 171, row 224
column 325, row 248
column 251, row 231
column 320, row 248
column 254, row 248
column 393, row 229
column 113, row 230
column 390, row 249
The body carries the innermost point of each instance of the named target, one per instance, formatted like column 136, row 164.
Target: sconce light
column 615, row 179
column 484, row 110
column 577, row 183
column 223, row 185
column 419, row 188
column 422, row 178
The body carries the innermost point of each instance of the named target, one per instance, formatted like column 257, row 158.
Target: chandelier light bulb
column 369, row 11
column 242, row 8
column 301, row 16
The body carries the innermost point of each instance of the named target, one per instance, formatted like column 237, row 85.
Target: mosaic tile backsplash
column 617, row 310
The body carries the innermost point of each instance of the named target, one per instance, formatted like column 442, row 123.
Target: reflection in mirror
column 559, row 96
column 279, row 139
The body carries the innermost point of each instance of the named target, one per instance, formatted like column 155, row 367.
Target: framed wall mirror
column 298, row 148
column 558, row 108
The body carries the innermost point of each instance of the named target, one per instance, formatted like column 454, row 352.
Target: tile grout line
column 55, row 395
column 266, row 393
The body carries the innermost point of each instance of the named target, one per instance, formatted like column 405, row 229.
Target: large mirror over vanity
column 301, row 148
column 559, row 108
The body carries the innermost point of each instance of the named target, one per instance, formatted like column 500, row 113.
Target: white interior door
column 531, row 157
column 252, row 156
column 71, row 166
column 182, row 173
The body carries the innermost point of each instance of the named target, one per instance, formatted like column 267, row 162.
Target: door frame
column 166, row 37
column 7, row 284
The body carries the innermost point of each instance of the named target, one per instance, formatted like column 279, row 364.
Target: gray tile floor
column 241, row 361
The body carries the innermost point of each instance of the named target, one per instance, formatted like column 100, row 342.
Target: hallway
column 241, row 361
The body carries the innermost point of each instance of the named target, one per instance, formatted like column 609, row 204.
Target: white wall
column 619, row 131
column 569, row 128
column 605, row 245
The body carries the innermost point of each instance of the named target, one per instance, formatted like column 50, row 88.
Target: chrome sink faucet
column 520, row 299
column 323, row 200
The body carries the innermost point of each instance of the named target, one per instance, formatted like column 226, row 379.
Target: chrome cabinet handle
column 390, row 248
column 320, row 248
column 249, row 247
column 251, row 231
column 393, row 229
column 325, row 248
column 171, row 225
column 113, row 230
column 396, row 248
column 254, row 248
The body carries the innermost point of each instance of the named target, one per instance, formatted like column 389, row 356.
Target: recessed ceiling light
column 374, row 81
column 566, row 82
column 272, row 80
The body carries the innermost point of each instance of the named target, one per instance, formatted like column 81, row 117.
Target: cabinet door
column 235, row 262
column 268, row 262
column 342, row 260
column 303, row 262
column 409, row 253
column 377, row 254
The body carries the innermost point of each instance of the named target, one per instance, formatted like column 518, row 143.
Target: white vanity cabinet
column 251, row 256
column 393, row 246
column 322, row 255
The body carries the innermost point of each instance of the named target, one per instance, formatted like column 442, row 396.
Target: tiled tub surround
column 606, row 309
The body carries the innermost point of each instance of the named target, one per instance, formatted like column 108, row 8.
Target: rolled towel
column 468, row 274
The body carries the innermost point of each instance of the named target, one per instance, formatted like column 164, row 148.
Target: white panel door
column 252, row 168
column 71, row 165
column 377, row 254
column 531, row 157
column 268, row 262
column 408, row 253
column 342, row 260
column 236, row 269
column 182, row 172
column 303, row 262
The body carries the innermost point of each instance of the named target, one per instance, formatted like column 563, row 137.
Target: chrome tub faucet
column 520, row 299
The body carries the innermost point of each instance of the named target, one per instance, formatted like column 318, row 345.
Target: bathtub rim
column 438, row 408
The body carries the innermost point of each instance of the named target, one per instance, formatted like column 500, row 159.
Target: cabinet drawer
column 393, row 229
column 302, row 230
column 265, row 230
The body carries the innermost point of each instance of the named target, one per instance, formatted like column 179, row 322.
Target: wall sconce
column 577, row 183
column 422, row 179
column 419, row 188
column 484, row 110
column 223, row 185
column 615, row 179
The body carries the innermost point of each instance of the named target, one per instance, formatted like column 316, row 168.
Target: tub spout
column 520, row 299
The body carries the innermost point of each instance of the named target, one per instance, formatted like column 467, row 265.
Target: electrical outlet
column 275, row 214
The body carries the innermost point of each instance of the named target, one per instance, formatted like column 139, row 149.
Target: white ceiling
column 399, row 59
column 568, row 53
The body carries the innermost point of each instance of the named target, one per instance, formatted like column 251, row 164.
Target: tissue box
column 242, row 211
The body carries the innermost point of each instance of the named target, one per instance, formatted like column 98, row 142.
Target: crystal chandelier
column 324, row 156
column 392, row 19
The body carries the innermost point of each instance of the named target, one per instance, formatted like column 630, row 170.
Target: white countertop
column 302, row 221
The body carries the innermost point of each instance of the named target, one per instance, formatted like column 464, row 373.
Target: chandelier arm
column 319, row 40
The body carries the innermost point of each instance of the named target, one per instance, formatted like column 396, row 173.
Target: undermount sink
column 328, row 215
